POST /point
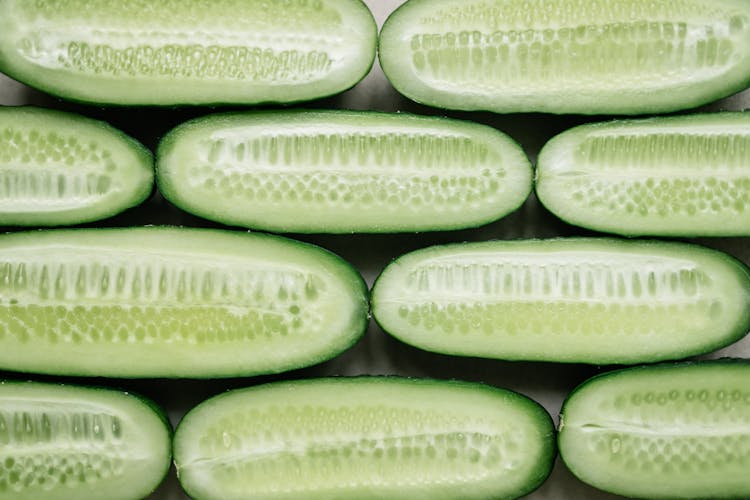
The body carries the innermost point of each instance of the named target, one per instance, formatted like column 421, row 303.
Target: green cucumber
column 581, row 300
column 171, row 52
column 59, row 168
column 172, row 302
column 364, row 438
column 342, row 171
column 77, row 442
column 668, row 431
column 676, row 176
column 567, row 56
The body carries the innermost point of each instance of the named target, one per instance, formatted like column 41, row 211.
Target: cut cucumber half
column 58, row 168
column 677, row 176
column 187, row 51
column 567, row 56
column 172, row 302
column 364, row 438
column 670, row 431
column 84, row 443
column 567, row 300
column 342, row 171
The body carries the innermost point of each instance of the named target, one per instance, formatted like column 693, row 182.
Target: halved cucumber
column 58, row 168
column 567, row 56
column 677, row 176
column 342, row 171
column 187, row 51
column 170, row 302
column 364, row 438
column 671, row 431
column 84, row 443
column 567, row 300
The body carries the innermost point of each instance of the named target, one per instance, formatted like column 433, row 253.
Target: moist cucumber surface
column 342, row 171
column 677, row 176
column 187, row 51
column 74, row 442
column 580, row 300
column 364, row 438
column 172, row 302
column 59, row 168
column 671, row 431
column 567, row 56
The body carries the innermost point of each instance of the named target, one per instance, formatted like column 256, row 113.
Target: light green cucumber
column 59, row 168
column 364, row 438
column 172, row 302
column 342, row 171
column 668, row 431
column 567, row 56
column 584, row 300
column 174, row 52
column 74, row 442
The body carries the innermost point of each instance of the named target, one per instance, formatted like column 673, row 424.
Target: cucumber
column 567, row 56
column 76, row 442
column 174, row 52
column 670, row 431
column 676, row 176
column 59, row 168
column 172, row 302
column 584, row 300
column 364, row 438
column 342, row 171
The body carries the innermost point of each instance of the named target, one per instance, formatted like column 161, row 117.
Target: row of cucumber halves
column 340, row 172
column 662, row 431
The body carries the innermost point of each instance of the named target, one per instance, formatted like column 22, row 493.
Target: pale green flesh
column 172, row 303
column 364, row 438
column 679, row 431
column 567, row 56
column 58, row 168
column 577, row 300
column 342, row 171
column 684, row 176
column 187, row 51
column 70, row 442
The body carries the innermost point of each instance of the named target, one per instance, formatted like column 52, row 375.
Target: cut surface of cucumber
column 172, row 52
column 581, row 300
column 665, row 431
column 74, row 442
column 342, row 171
column 172, row 302
column 59, row 168
column 567, row 56
column 364, row 438
column 676, row 176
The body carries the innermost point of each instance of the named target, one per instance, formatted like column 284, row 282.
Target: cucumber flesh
column 341, row 171
column 187, row 51
column 83, row 443
column 582, row 300
column 59, row 168
column 364, row 438
column 671, row 431
column 567, row 56
column 171, row 302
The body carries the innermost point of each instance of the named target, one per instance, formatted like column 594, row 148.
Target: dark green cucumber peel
column 597, row 301
column 187, row 52
column 365, row 438
column 172, row 302
column 663, row 431
column 567, row 56
column 673, row 176
column 59, row 168
column 342, row 171
column 79, row 442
